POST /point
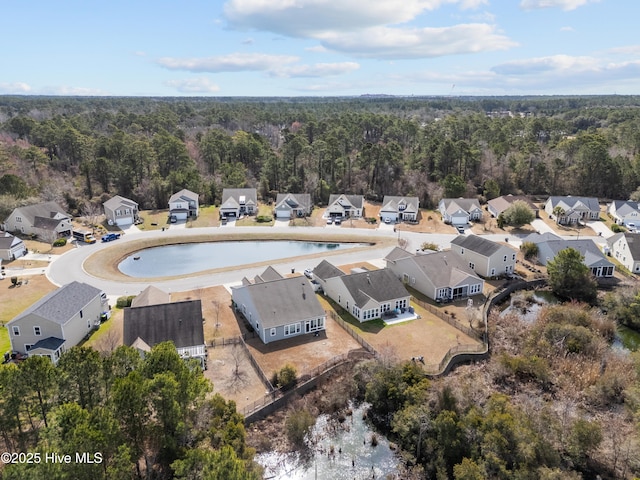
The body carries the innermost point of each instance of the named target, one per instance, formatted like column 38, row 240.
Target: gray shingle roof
column 268, row 275
column 396, row 254
column 62, row 304
column 44, row 210
column 477, row 244
column 325, row 270
column 380, row 285
column 500, row 204
column 444, row 269
column 352, row 201
column 179, row 322
column 633, row 241
column 294, row 200
column 50, row 343
column 150, row 296
column 391, row 204
column 118, row 201
column 284, row 301
column 231, row 197
column 7, row 240
column 587, row 248
column 184, row 194
column 571, row 202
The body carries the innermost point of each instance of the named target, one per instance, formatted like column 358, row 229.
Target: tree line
column 75, row 149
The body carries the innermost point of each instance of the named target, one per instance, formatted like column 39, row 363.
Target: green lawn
column 5, row 344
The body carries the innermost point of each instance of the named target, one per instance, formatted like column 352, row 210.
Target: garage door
column 181, row 215
column 283, row 213
column 124, row 221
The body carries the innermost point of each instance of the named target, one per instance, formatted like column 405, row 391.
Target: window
column 472, row 265
column 413, row 280
column 273, row 332
column 27, row 347
column 291, row 329
column 513, row 257
column 36, row 331
column 462, row 251
column 16, row 331
column 405, row 278
column 504, row 259
column 474, row 289
column 81, row 314
column 493, row 271
column 19, row 219
column 89, row 324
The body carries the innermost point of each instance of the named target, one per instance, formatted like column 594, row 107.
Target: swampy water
column 343, row 451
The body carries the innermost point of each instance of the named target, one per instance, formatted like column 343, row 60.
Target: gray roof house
column 573, row 209
column 549, row 245
column 120, row 211
column 625, row 212
column 325, row 271
column 42, row 220
column 280, row 308
column 179, row 322
column 441, row 276
column 291, row 205
column 11, row 247
column 460, row 211
column 184, row 204
column 498, row 205
column 367, row 295
column 238, row 201
column 58, row 321
column 486, row 258
column 398, row 209
column 345, row 206
column 150, row 296
column 625, row 247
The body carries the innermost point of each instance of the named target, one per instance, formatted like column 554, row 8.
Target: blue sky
column 319, row 47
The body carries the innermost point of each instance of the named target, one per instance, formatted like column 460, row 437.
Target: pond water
column 627, row 338
column 187, row 258
column 527, row 304
column 353, row 455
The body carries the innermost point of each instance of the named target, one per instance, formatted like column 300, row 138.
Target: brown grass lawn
column 429, row 221
column 154, row 219
column 14, row 300
column 264, row 210
column 209, row 217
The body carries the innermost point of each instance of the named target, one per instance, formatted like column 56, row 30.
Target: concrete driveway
column 542, row 227
column 600, row 228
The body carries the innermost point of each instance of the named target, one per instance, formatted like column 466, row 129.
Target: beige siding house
column 625, row 247
column 486, row 258
column 42, row 220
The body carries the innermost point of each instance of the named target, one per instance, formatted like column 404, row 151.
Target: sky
column 319, row 47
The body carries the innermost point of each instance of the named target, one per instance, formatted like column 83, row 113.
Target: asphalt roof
column 477, row 244
column 355, row 201
column 294, row 200
column 391, row 204
column 117, row 201
column 590, row 202
column 49, row 343
column 444, row 269
column 150, row 296
column 44, row 210
column 452, row 205
column 231, row 197
column 62, row 304
column 179, row 322
column 326, row 270
column 184, row 194
column 380, row 285
column 500, row 204
column 7, row 240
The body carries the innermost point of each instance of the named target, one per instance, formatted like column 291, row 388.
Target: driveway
column 600, row 228
column 542, row 227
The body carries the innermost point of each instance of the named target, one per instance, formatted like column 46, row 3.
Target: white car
column 387, row 220
column 308, row 273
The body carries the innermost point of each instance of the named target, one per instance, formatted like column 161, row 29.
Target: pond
column 627, row 338
column 342, row 451
column 188, row 258
column 527, row 304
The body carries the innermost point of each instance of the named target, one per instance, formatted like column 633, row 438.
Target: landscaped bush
column 263, row 218
column 529, row 250
column 61, row 242
column 123, row 302
column 372, row 220
column 615, row 228
column 286, row 378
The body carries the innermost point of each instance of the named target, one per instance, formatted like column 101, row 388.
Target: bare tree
column 92, row 213
column 49, row 236
column 108, row 342
column 216, row 312
column 239, row 377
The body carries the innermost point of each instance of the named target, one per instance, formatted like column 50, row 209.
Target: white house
column 441, row 276
column 120, row 211
column 11, row 247
column 278, row 307
column 292, row 205
column 365, row 295
column 625, row 212
column 398, row 209
column 345, row 206
column 486, row 258
column 460, row 211
column 58, row 321
column 42, row 220
column 238, row 201
column 571, row 210
column 625, row 247
column 184, row 204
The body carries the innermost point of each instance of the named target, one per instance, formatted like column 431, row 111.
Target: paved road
column 69, row 267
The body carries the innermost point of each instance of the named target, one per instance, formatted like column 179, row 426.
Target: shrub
column 61, row 242
column 615, row 228
column 286, row 378
column 429, row 246
column 529, row 250
column 298, row 425
column 263, row 218
column 123, row 302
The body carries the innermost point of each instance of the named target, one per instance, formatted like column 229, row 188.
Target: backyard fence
column 449, row 319
column 351, row 331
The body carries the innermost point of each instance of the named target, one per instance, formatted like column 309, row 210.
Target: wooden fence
column 449, row 319
column 351, row 331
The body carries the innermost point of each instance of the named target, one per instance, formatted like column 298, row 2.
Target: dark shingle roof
column 62, row 304
column 6, row 241
column 355, row 201
column 118, row 201
column 380, row 285
column 179, row 322
column 325, row 270
column 50, row 343
column 294, row 200
column 231, row 197
column 44, row 210
column 569, row 201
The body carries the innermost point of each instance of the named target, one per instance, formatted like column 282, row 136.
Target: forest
column 77, row 150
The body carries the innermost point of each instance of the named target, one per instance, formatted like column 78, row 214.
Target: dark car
column 173, row 219
column 110, row 237
column 460, row 229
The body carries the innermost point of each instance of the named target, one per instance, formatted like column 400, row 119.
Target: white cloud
column 563, row 4
column 316, row 70
column 567, row 29
column 626, row 50
column 308, row 18
column 73, row 91
column 194, row 85
column 395, row 43
column 316, row 49
column 235, row 62
column 555, row 63
column 14, row 87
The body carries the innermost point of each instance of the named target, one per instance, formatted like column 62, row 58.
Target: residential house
column 238, row 201
column 625, row 247
column 279, row 308
column 11, row 247
column 441, row 276
column 486, row 258
column 179, row 322
column 184, row 204
column 58, row 321
column 151, row 296
column 398, row 209
column 292, row 205
column 345, row 206
column 46, row 220
column 460, row 211
column 120, row 211
column 625, row 212
column 325, row 271
column 369, row 294
column 572, row 210
column 496, row 206
column 549, row 245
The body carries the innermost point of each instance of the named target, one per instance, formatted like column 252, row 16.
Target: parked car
column 173, row 219
column 460, row 229
column 387, row 220
column 329, row 220
column 308, row 273
column 337, row 221
column 110, row 237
